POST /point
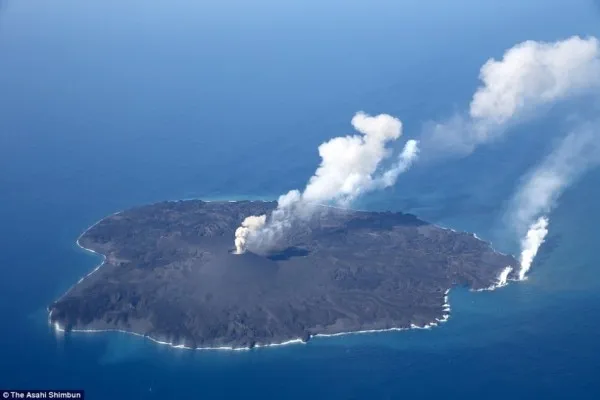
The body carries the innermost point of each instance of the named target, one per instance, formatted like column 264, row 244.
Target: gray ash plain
column 170, row 274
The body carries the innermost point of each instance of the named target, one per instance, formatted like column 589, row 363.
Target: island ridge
column 170, row 274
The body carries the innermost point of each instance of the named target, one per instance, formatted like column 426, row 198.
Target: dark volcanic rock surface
column 170, row 274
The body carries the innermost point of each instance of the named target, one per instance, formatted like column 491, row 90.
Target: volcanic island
column 170, row 273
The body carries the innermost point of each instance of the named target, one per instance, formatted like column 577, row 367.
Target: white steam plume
column 249, row 224
column 529, row 75
column 531, row 243
column 532, row 73
column 405, row 160
column 503, row 276
column 349, row 162
column 574, row 155
column 350, row 166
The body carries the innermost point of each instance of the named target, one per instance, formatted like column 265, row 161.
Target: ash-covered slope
column 170, row 274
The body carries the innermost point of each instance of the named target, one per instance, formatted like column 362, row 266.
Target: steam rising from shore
column 542, row 187
column 529, row 77
column 350, row 167
column 531, row 243
column 503, row 277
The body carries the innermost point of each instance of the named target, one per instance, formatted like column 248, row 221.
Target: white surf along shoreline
column 502, row 281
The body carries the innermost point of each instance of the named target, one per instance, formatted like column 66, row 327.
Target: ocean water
column 109, row 104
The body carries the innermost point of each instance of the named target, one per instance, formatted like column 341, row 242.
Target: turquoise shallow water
column 107, row 105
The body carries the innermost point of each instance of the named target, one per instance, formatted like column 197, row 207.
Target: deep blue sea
column 109, row 104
